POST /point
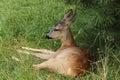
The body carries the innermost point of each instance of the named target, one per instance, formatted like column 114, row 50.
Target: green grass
column 25, row 23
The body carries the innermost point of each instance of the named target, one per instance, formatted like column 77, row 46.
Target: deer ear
column 68, row 13
column 69, row 17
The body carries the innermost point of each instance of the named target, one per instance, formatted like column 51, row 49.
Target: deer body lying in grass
column 69, row 59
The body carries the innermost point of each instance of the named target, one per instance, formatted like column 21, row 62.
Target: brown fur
column 69, row 59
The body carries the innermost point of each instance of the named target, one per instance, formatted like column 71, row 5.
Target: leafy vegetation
column 100, row 20
column 26, row 22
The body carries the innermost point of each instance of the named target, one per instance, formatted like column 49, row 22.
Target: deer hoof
column 36, row 67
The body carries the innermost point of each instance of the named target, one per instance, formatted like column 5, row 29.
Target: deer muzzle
column 48, row 37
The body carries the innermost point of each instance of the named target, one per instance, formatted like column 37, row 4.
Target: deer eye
column 56, row 29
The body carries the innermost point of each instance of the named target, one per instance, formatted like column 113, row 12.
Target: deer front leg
column 40, row 55
column 46, row 51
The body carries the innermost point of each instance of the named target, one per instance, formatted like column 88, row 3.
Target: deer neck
column 68, row 40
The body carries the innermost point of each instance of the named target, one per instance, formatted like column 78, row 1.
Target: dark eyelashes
column 56, row 29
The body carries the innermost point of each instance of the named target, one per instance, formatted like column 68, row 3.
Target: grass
column 25, row 23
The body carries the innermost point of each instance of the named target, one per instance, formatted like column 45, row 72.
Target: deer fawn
column 69, row 59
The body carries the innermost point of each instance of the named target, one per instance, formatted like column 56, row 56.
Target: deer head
column 61, row 29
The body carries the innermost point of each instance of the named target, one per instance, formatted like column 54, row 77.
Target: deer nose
column 48, row 37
